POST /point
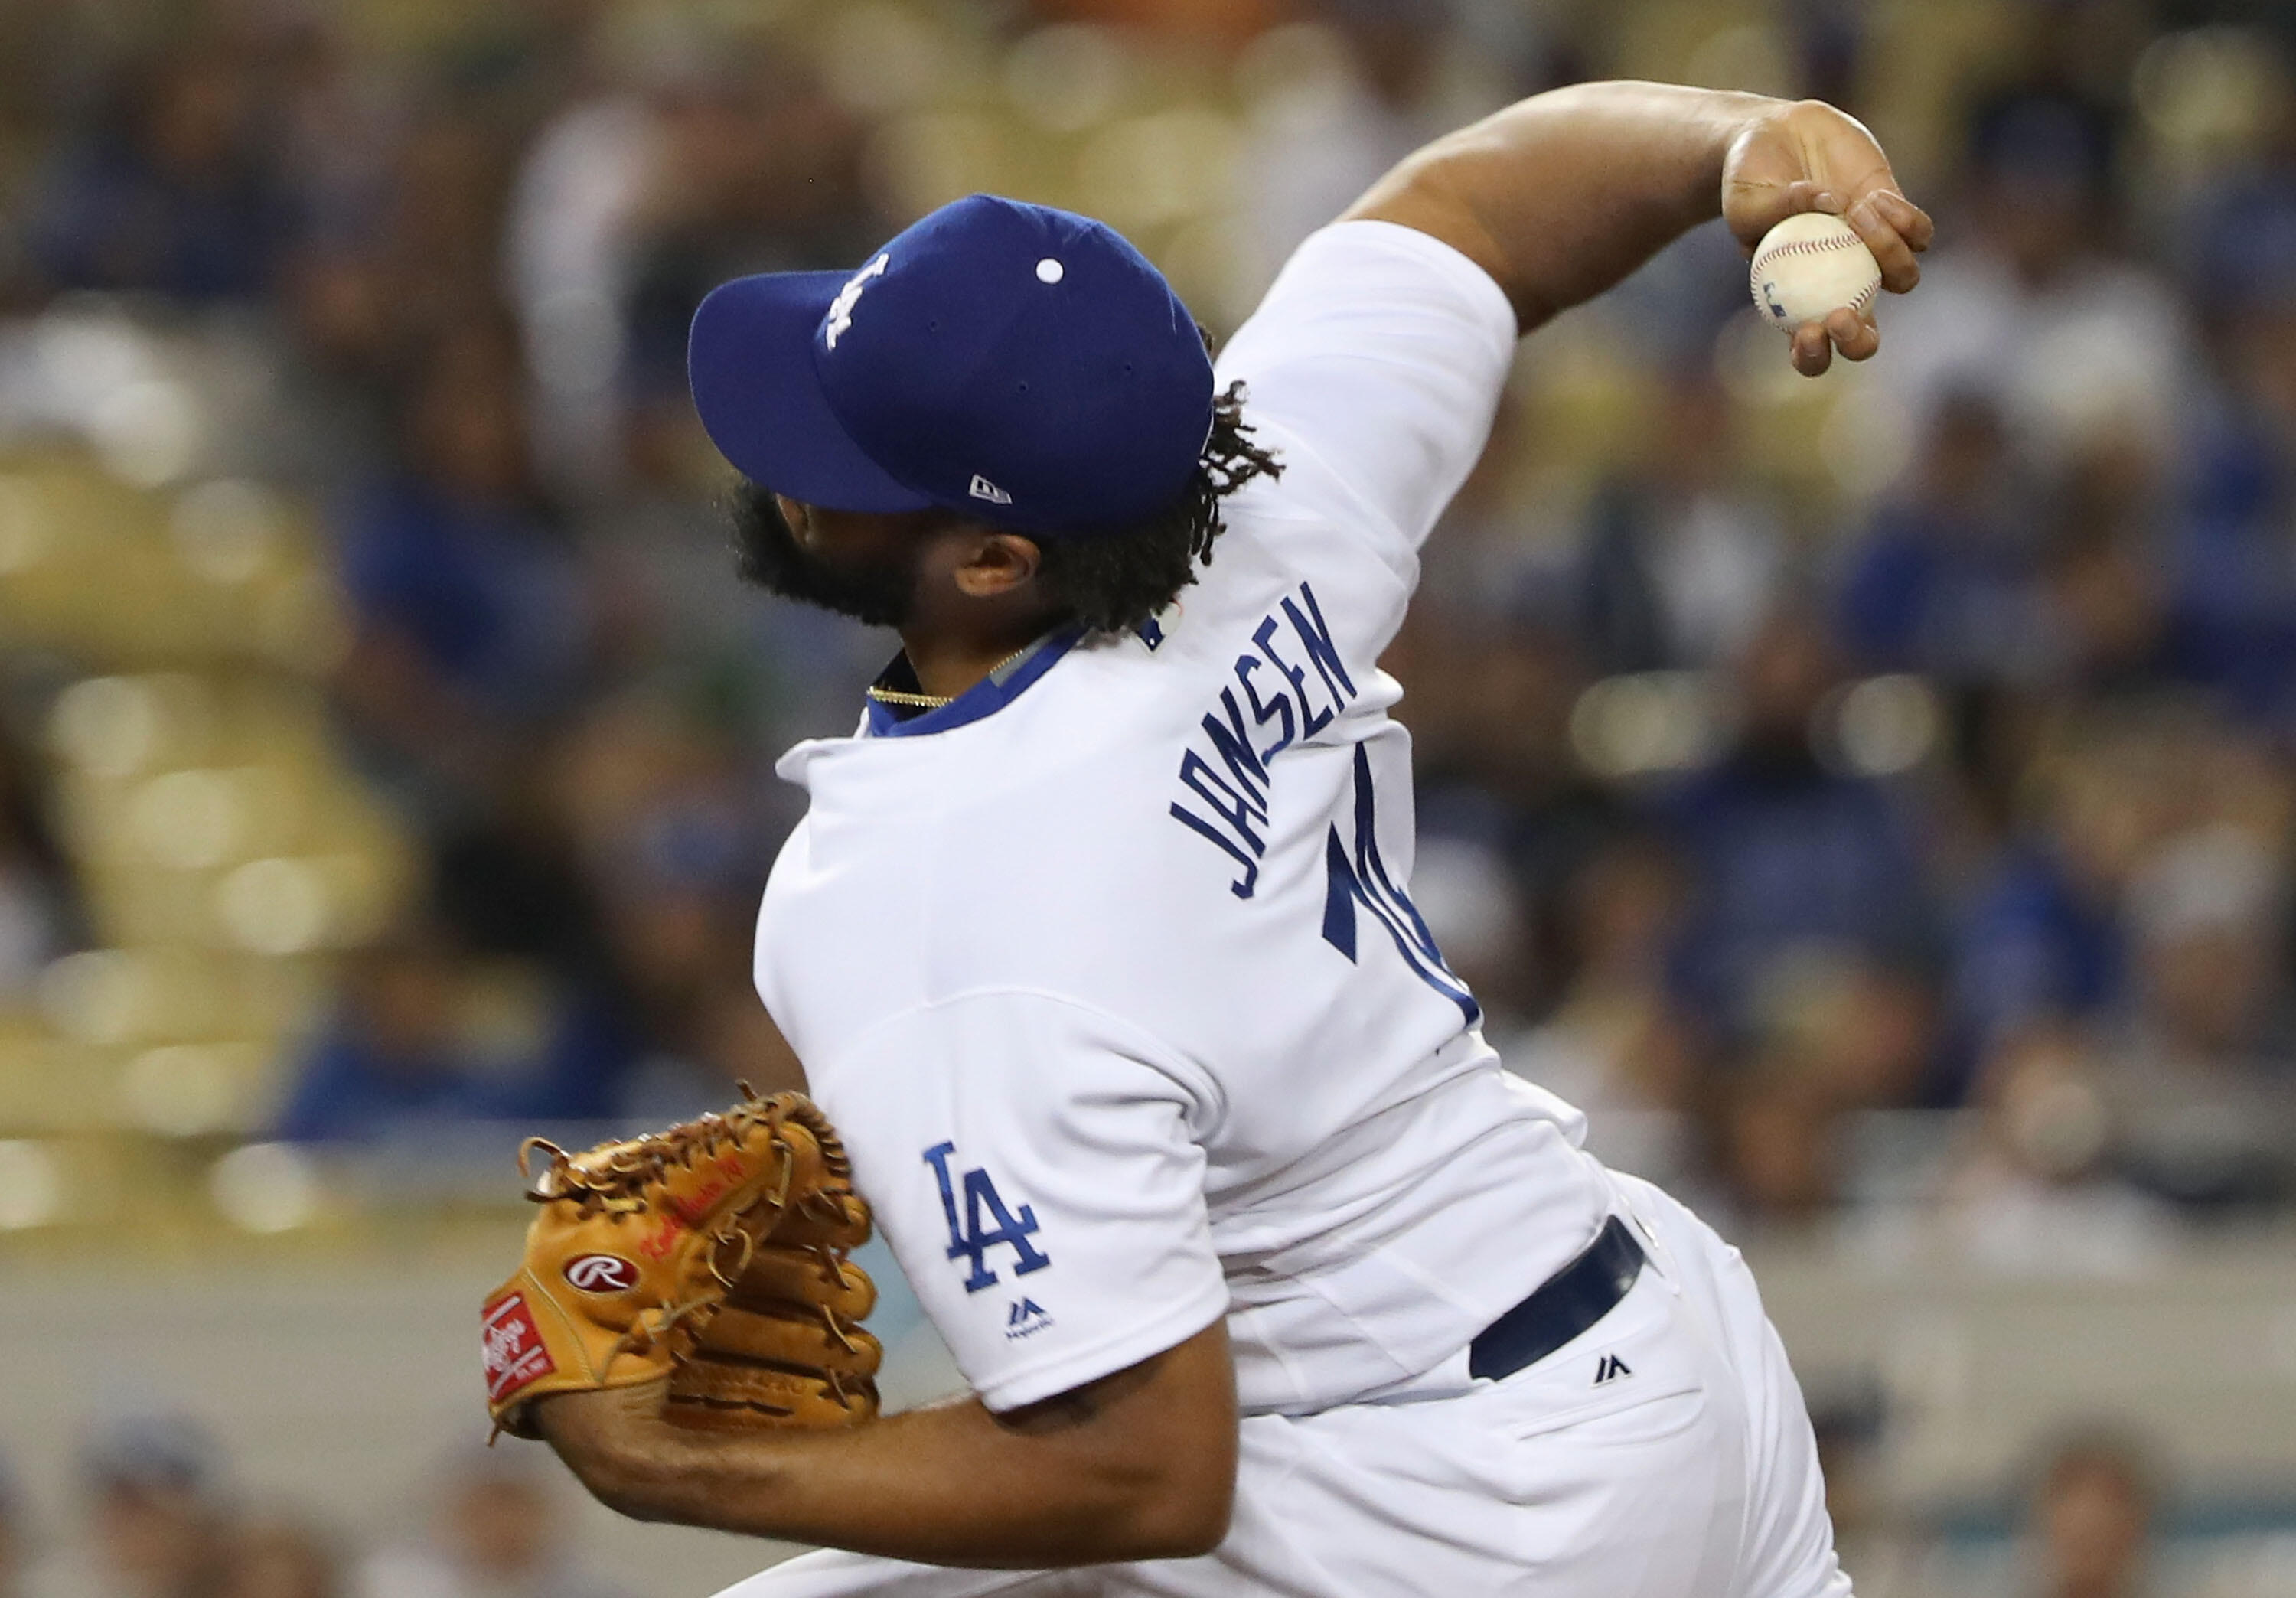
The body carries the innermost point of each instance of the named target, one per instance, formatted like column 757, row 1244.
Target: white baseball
column 1810, row 265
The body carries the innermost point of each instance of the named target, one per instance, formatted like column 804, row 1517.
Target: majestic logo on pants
column 1609, row 1369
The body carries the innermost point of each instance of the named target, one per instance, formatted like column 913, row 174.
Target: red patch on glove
column 515, row 1356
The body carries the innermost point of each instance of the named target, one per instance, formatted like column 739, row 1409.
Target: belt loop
column 1661, row 1257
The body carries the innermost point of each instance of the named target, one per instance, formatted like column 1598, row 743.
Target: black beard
column 768, row 554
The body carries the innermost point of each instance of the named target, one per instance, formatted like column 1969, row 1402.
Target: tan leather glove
column 713, row 1254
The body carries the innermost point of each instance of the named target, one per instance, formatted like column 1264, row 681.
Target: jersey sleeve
column 1380, row 352
column 1031, row 1162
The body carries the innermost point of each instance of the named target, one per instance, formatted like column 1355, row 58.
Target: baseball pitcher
column 1097, row 943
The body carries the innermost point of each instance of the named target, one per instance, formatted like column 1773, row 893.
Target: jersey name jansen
column 1226, row 803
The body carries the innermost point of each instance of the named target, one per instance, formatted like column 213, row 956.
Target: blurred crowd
column 159, row 1515
column 1957, row 774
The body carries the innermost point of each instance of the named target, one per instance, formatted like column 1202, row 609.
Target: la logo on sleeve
column 985, row 1223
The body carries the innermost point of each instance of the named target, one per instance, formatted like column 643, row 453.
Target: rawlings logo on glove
column 601, row 1274
column 713, row 1254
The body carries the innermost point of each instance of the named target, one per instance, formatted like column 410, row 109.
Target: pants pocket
column 1648, row 1418
column 1636, row 1355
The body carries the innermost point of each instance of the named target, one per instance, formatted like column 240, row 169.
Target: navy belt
column 1560, row 1308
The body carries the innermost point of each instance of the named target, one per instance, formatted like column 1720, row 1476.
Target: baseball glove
column 713, row 1254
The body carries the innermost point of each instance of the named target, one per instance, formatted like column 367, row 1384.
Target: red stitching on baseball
column 1806, row 247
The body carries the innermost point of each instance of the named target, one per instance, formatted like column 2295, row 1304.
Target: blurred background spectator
column 158, row 1511
column 277, row 1558
column 37, row 920
column 12, row 1558
column 2091, row 1520
column 495, row 1536
column 1873, row 800
column 167, row 188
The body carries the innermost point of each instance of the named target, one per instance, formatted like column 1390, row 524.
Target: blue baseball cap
column 1021, row 365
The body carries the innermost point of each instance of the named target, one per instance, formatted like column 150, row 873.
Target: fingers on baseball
column 1815, row 343
column 1896, row 231
column 1810, row 194
column 1774, row 204
column 1813, row 351
column 1852, row 334
column 1909, row 218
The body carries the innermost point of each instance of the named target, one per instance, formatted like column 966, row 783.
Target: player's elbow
column 1146, row 1458
column 1181, row 1511
column 1183, row 1485
column 1199, row 1524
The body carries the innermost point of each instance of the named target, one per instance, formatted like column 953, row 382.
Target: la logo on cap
column 840, row 309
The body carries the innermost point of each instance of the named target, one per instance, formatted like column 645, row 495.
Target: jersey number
column 969, row 1238
column 1358, row 877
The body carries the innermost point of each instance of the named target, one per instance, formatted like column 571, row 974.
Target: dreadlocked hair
column 1115, row 581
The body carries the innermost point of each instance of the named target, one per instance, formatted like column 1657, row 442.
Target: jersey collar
column 986, row 697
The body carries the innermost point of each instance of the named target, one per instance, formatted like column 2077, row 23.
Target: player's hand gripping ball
column 1809, row 266
column 714, row 1255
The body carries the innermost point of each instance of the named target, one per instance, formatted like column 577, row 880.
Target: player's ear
column 998, row 564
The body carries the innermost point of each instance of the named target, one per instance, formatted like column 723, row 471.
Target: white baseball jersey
column 1109, row 971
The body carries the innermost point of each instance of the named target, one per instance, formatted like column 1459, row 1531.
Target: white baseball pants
column 1665, row 1454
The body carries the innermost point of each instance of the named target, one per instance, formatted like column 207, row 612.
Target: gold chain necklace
column 934, row 702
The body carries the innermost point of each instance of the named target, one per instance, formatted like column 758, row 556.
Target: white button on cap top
column 1050, row 271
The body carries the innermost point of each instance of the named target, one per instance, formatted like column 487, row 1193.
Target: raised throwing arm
column 1564, row 194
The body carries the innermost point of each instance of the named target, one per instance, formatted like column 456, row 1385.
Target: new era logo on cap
column 982, row 489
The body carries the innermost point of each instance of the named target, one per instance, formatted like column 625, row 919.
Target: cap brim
column 750, row 360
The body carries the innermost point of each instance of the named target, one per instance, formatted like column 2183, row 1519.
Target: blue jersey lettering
column 1321, row 649
column 968, row 1239
column 1312, row 721
column 1279, row 707
column 1228, row 775
column 1360, row 878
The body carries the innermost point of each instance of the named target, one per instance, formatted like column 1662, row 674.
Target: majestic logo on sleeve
column 985, row 1223
column 840, row 309
column 1226, row 774
column 1025, row 1318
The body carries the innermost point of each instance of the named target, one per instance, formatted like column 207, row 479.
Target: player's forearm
column 1564, row 194
column 1140, row 1465
column 950, row 1487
